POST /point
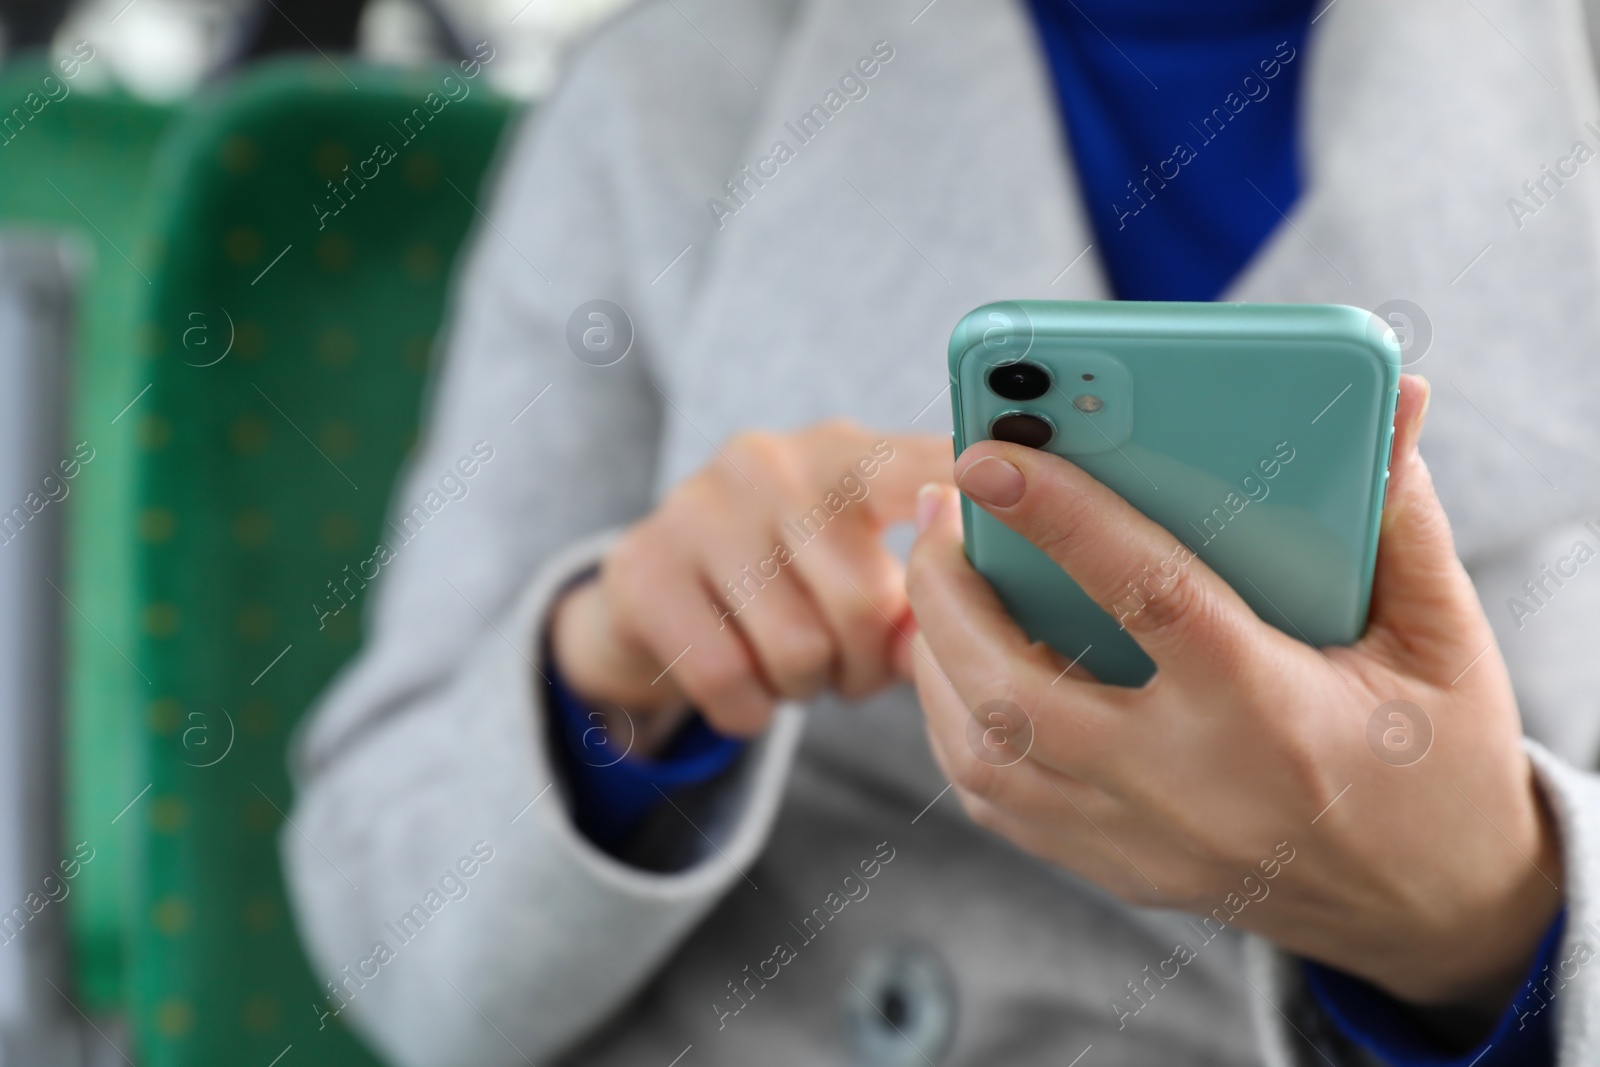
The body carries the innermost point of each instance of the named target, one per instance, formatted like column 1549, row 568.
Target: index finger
column 880, row 472
column 907, row 463
column 1179, row 611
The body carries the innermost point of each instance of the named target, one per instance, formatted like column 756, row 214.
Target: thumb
column 1423, row 602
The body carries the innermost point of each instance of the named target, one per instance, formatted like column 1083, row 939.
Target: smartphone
column 1258, row 435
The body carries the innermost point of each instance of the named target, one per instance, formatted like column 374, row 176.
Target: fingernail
column 927, row 505
column 993, row 481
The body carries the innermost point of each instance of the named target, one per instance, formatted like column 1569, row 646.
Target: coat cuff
column 1390, row 1030
column 1293, row 1032
column 614, row 789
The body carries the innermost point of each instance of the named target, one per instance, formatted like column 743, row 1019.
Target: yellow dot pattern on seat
column 259, row 913
column 249, row 434
column 244, row 246
column 258, row 718
column 339, row 531
column 154, row 432
column 261, row 1014
column 335, row 255
column 171, row 915
column 157, row 524
column 330, row 158
column 247, row 508
column 336, row 346
column 168, row 814
column 164, row 716
column 422, row 263
column 160, row 618
column 150, row 342
column 174, row 1017
column 422, row 170
column 337, row 438
column 249, row 340
column 240, row 155
column 255, row 623
column 252, row 528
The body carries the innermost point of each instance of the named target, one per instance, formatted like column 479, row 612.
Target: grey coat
column 827, row 288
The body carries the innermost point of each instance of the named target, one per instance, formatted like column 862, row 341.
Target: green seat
column 79, row 166
column 261, row 475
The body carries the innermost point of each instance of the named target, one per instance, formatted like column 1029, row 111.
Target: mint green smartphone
column 1258, row 435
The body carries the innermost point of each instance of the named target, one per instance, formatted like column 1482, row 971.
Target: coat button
column 899, row 1007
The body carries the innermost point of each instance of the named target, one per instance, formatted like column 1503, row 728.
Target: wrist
column 1480, row 959
column 594, row 662
column 613, row 680
column 602, row 734
column 1396, row 1032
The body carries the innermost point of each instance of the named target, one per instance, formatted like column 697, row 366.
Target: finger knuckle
column 629, row 564
column 923, row 575
column 1160, row 605
column 738, row 720
column 716, row 675
column 754, row 452
column 1070, row 516
column 864, row 679
column 974, row 776
column 688, row 505
column 864, row 668
column 980, row 812
column 838, row 428
column 801, row 661
column 861, row 625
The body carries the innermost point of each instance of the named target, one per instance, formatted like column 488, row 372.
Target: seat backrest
column 286, row 345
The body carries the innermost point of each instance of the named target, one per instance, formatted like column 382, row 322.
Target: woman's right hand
column 762, row 577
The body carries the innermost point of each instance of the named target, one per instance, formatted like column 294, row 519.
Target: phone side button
column 1388, row 450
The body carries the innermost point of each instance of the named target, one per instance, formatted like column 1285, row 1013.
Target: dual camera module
column 1021, row 382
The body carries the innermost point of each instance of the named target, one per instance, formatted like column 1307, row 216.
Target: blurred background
column 227, row 233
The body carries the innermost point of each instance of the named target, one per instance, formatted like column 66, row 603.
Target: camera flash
column 1088, row 403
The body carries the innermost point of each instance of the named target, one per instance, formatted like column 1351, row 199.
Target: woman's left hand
column 1433, row 880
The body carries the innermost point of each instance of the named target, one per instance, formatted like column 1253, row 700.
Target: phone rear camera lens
column 1020, row 428
column 1020, row 381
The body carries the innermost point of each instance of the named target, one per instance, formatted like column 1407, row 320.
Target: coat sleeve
column 428, row 758
column 1574, row 797
column 1294, row 1033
